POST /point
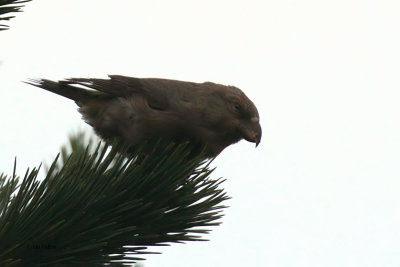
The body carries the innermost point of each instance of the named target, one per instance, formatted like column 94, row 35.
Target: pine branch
column 9, row 6
column 101, row 208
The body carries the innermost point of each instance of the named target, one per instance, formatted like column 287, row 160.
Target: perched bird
column 135, row 110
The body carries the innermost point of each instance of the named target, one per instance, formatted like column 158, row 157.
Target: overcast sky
column 323, row 187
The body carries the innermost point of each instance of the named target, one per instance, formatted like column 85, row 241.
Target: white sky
column 323, row 187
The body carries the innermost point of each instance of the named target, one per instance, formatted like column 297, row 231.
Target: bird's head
column 245, row 114
column 238, row 114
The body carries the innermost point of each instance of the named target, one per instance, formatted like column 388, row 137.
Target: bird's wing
column 160, row 94
column 122, row 86
column 114, row 86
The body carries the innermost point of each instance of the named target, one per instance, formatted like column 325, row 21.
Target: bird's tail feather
column 79, row 95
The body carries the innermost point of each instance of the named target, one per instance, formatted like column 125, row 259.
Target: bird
column 137, row 110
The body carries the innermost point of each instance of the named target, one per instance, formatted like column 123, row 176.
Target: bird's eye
column 237, row 106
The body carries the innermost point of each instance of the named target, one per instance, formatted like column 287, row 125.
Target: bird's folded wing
column 122, row 86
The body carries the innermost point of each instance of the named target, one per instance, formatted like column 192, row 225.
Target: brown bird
column 135, row 110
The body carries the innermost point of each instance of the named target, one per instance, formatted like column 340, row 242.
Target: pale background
column 323, row 187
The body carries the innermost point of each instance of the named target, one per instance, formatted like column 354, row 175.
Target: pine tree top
column 98, row 206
